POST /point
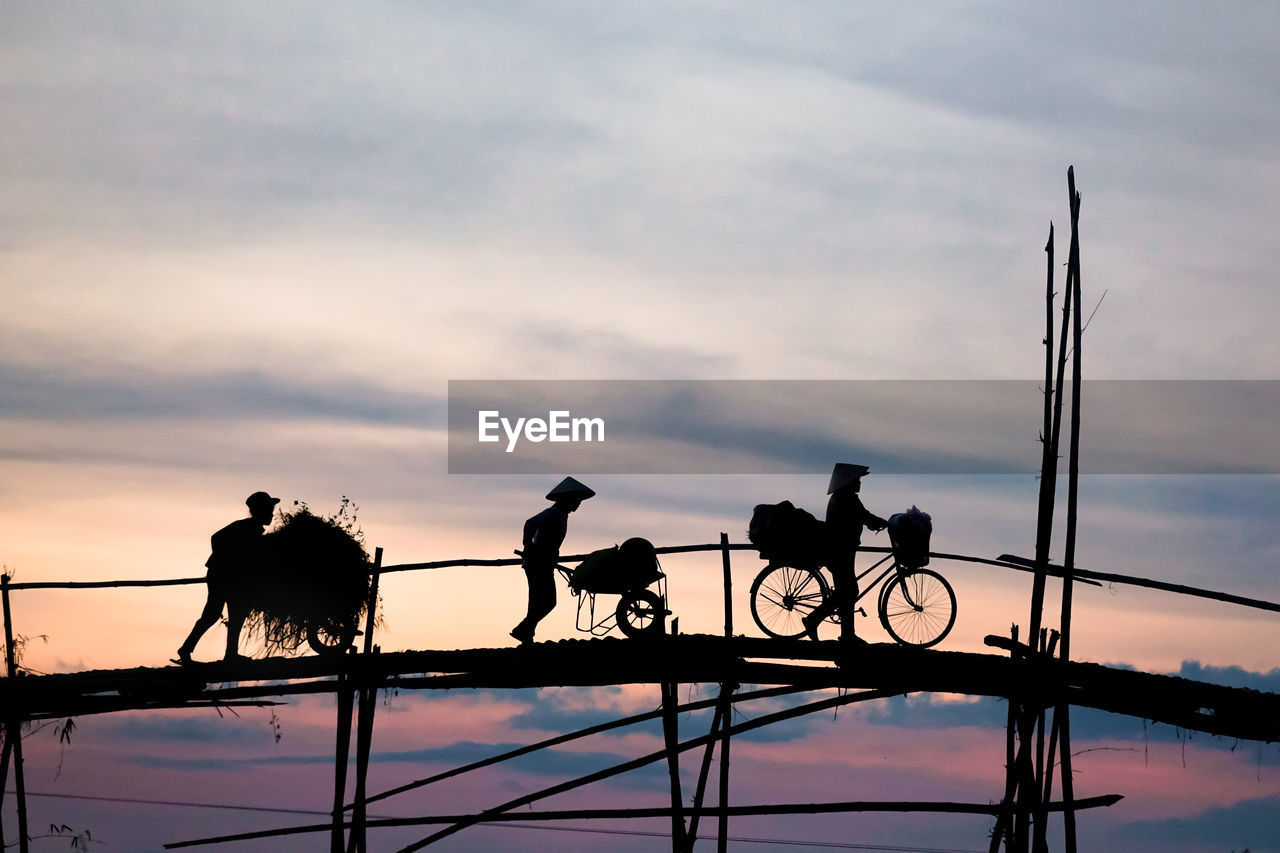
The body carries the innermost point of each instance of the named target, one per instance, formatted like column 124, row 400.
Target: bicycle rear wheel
column 917, row 607
column 781, row 596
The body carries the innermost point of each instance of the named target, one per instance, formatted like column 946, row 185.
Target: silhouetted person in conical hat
column 237, row 555
column 846, row 516
column 543, row 535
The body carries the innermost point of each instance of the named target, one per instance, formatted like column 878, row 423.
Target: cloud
column 224, row 395
column 154, row 728
column 551, row 762
column 1245, row 825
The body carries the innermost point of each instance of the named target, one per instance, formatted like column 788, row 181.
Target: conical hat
column 570, row 488
column 845, row 473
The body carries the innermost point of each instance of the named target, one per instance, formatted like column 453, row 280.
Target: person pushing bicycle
column 846, row 516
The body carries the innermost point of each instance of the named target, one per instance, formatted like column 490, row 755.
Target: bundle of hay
column 314, row 568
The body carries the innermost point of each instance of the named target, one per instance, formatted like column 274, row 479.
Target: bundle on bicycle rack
column 786, row 535
column 315, row 572
column 623, row 568
column 909, row 537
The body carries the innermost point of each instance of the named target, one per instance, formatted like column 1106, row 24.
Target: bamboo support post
column 1068, row 560
column 1048, row 457
column 671, row 735
column 357, row 842
column 342, row 753
column 728, row 584
column 13, row 725
column 726, row 703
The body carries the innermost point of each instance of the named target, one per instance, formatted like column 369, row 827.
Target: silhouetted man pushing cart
column 237, row 555
column 543, row 535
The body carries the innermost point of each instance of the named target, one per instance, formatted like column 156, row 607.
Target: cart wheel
column 917, row 607
column 330, row 636
column 781, row 596
column 640, row 613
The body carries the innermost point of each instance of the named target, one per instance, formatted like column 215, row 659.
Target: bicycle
column 917, row 607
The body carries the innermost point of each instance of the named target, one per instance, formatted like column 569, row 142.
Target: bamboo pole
column 758, row 722
column 1005, row 561
column 5, row 752
column 1073, row 486
column 728, row 584
column 857, row 806
column 342, row 753
column 727, row 699
column 357, row 842
column 581, row 733
column 671, row 735
column 887, row 807
column 608, row 772
column 691, row 836
column 1048, row 457
column 13, row 725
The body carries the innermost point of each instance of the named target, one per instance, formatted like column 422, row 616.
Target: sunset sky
column 248, row 246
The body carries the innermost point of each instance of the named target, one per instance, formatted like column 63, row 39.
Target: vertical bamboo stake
column 10, row 659
column 13, row 726
column 722, row 831
column 1005, row 817
column 342, row 752
column 1068, row 561
column 728, row 585
column 4, row 781
column 1048, row 457
column 356, row 843
column 670, row 729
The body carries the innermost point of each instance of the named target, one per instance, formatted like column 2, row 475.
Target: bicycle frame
column 864, row 588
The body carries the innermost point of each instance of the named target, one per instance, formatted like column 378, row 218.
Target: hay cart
column 314, row 588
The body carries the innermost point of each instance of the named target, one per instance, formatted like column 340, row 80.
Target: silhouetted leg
column 237, row 612
column 845, row 594
column 208, row 617
column 542, row 600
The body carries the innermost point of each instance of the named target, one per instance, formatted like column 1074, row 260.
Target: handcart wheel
column 640, row 612
column 917, row 607
column 330, row 635
column 781, row 596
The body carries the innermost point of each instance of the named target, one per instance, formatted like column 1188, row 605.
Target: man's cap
column 569, row 489
column 260, row 499
column 845, row 473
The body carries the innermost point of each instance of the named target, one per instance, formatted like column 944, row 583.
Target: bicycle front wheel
column 781, row 596
column 917, row 607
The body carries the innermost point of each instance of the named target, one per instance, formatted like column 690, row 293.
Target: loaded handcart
column 628, row 571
